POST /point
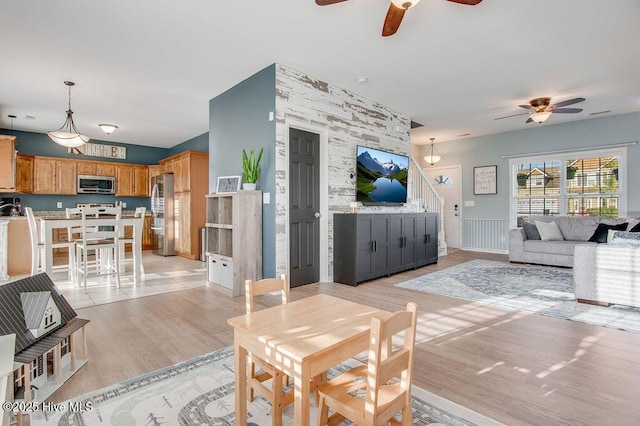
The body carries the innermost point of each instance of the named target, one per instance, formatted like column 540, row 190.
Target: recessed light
column 362, row 79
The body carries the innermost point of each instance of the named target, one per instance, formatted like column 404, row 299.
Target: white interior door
column 448, row 183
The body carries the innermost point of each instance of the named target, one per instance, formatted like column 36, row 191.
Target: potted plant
column 571, row 172
column 522, row 179
column 250, row 169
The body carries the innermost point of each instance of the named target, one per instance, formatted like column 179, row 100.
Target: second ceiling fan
column 396, row 11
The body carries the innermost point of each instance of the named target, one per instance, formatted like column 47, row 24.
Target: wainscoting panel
column 488, row 235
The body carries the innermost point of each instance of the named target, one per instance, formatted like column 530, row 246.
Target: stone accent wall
column 348, row 120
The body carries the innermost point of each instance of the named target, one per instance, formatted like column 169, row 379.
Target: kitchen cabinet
column 132, row 180
column 54, row 176
column 24, row 174
column 96, row 168
column 368, row 246
column 7, row 163
column 190, row 184
column 148, row 236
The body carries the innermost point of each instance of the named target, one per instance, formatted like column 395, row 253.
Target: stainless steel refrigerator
column 163, row 214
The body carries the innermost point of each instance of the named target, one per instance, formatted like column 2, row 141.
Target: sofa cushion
column 552, row 247
column 600, row 234
column 530, row 230
column 626, row 238
column 574, row 228
column 549, row 231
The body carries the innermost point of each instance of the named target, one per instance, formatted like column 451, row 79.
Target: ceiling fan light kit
column 68, row 135
column 540, row 117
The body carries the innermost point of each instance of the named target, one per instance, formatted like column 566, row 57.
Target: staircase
column 423, row 194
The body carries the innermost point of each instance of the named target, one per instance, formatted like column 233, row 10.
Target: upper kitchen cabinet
column 96, row 168
column 24, row 173
column 8, row 163
column 132, row 180
column 54, row 176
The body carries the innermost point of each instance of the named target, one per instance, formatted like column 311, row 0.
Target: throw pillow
column 626, row 238
column 530, row 230
column 635, row 228
column 600, row 236
column 549, row 231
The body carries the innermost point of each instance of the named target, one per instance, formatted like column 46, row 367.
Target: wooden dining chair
column 373, row 394
column 99, row 234
column 37, row 248
column 257, row 378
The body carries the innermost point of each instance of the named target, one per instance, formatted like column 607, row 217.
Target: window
column 65, row 346
column 36, row 368
column 571, row 184
column 48, row 317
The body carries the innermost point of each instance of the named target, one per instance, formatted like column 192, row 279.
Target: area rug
column 544, row 290
column 201, row 392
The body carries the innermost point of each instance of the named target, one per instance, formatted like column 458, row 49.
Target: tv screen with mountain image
column 381, row 177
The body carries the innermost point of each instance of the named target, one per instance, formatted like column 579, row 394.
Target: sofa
column 574, row 230
column 608, row 273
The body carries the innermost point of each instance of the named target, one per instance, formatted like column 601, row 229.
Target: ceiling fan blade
column 527, row 107
column 392, row 20
column 567, row 110
column 568, row 102
column 328, row 2
column 509, row 116
column 467, row 2
column 529, row 121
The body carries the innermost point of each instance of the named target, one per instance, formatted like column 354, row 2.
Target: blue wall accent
column 490, row 149
column 199, row 143
column 40, row 144
column 238, row 118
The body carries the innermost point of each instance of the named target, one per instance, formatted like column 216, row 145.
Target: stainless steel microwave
column 96, row 184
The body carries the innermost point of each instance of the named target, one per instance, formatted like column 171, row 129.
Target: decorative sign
column 99, row 150
column 484, row 180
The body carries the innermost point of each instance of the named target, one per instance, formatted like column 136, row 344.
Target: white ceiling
column 152, row 67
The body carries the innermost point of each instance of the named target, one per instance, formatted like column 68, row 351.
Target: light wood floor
column 516, row 367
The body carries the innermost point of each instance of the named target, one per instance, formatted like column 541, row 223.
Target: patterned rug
column 544, row 290
column 201, row 392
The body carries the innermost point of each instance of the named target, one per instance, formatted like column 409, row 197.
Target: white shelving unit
column 234, row 240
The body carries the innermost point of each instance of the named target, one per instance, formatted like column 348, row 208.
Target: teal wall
column 199, row 143
column 489, row 150
column 40, row 144
column 238, row 118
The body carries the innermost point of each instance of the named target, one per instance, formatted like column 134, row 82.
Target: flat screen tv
column 381, row 177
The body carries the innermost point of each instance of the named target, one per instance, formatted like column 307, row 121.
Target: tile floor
column 162, row 275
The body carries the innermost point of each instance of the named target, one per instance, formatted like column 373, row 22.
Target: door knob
column 317, row 215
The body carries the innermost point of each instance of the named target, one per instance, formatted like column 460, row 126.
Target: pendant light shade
column 404, row 4
column 433, row 156
column 68, row 135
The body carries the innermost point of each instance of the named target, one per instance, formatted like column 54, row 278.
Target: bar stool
column 133, row 240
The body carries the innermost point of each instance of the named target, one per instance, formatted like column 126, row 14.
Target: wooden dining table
column 48, row 224
column 303, row 339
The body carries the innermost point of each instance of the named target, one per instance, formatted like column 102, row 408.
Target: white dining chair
column 133, row 240
column 99, row 234
column 7, row 349
column 38, row 252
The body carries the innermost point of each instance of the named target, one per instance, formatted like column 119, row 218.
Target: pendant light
column 434, row 156
column 67, row 135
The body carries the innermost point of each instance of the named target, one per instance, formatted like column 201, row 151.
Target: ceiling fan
column 396, row 11
column 542, row 109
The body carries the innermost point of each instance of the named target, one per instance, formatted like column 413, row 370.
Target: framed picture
column 485, row 180
column 228, row 184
